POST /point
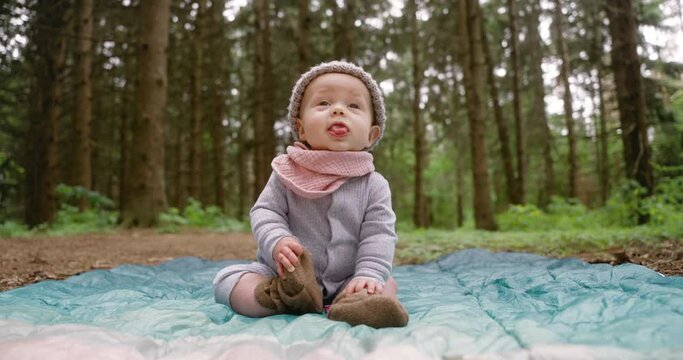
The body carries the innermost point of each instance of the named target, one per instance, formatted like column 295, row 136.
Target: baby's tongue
column 338, row 130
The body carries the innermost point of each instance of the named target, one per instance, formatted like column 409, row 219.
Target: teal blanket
column 469, row 304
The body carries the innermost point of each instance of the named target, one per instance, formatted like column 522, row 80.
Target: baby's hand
column 358, row 284
column 286, row 255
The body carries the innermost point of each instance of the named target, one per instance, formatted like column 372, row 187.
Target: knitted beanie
column 341, row 67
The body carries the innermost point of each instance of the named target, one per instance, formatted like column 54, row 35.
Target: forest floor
column 26, row 260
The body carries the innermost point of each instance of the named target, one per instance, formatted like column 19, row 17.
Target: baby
column 324, row 222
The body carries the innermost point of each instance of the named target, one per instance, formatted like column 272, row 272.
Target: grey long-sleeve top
column 349, row 233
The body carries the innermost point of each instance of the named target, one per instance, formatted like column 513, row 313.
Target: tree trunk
column 112, row 142
column 146, row 183
column 304, row 39
column 124, row 142
column 348, row 19
column 123, row 148
column 179, row 122
column 630, row 98
column 268, row 144
column 472, row 64
column 195, row 188
column 342, row 24
column 460, row 191
column 257, row 114
column 604, row 147
column 336, row 29
column 459, row 142
column 539, row 116
column 501, row 124
column 82, row 167
column 263, row 110
column 516, row 101
column 42, row 169
column 420, row 211
column 245, row 151
column 218, row 92
column 565, row 71
column 601, row 127
column 259, row 99
column 99, row 132
column 179, row 170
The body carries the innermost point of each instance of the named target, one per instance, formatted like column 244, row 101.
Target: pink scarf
column 316, row 173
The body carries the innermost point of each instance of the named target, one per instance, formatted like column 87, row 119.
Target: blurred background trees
column 492, row 105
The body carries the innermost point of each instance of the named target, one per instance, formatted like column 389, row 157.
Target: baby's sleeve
column 269, row 219
column 378, row 234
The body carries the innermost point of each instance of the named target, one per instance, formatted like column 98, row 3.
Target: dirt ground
column 28, row 260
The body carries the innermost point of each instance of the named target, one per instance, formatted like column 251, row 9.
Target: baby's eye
column 354, row 106
column 324, row 103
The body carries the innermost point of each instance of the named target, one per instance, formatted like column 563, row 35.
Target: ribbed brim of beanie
column 341, row 67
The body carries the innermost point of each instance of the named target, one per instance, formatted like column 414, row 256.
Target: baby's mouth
column 338, row 130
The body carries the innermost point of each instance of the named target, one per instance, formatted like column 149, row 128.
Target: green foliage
column 440, row 191
column 11, row 228
column 670, row 191
column 677, row 108
column 69, row 220
column 623, row 208
column 668, row 144
column 649, row 12
column 10, row 178
column 522, row 218
column 196, row 216
column 73, row 194
column 561, row 215
column 98, row 216
column 664, row 208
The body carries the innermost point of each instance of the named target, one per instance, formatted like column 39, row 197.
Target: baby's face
column 336, row 114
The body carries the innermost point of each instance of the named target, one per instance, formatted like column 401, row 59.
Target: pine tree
column 471, row 60
column 565, row 72
column 196, row 127
column 420, row 211
column 519, row 193
column 146, row 190
column 42, row 144
column 630, row 98
column 82, row 167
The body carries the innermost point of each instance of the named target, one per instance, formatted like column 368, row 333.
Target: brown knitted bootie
column 297, row 294
column 376, row 311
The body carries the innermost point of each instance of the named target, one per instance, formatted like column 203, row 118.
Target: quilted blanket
column 467, row 305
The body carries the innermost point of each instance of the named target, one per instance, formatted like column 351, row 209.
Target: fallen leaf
column 102, row 264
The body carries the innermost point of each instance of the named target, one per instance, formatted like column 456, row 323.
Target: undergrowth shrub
column 561, row 215
column 197, row 216
column 663, row 208
column 11, row 228
column 98, row 216
column 522, row 218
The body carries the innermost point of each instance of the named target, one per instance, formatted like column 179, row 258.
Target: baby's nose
column 337, row 110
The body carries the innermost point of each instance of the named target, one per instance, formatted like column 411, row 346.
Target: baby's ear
column 300, row 129
column 375, row 131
